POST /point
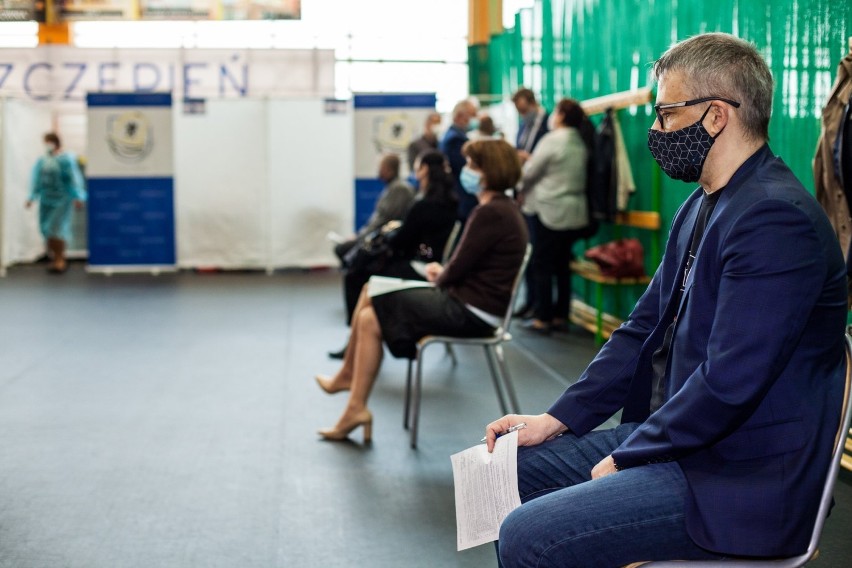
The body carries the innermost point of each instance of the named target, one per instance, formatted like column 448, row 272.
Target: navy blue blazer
column 756, row 368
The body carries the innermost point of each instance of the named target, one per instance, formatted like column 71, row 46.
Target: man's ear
column 719, row 115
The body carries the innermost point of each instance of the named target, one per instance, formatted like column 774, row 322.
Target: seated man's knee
column 515, row 538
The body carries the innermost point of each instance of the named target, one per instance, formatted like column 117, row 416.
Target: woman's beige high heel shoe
column 324, row 381
column 343, row 429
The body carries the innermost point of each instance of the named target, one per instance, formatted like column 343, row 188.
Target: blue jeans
column 569, row 520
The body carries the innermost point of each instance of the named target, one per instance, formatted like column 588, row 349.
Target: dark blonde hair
column 501, row 168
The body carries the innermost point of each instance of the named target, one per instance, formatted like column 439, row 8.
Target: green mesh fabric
column 587, row 48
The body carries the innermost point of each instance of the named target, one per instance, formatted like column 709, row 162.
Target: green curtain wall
column 587, row 48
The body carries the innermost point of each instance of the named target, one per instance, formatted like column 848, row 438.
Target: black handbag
column 372, row 254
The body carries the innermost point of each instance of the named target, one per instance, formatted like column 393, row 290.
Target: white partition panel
column 221, row 194
column 310, row 180
column 258, row 183
column 23, row 126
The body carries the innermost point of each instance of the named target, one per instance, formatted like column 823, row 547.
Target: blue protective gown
column 56, row 184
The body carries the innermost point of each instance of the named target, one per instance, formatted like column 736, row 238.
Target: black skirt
column 406, row 316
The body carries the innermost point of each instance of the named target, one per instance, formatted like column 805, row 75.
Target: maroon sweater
column 483, row 268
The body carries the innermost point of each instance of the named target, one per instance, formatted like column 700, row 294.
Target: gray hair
column 464, row 107
column 721, row 65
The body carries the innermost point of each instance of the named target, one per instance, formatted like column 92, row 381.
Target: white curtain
column 23, row 126
column 260, row 183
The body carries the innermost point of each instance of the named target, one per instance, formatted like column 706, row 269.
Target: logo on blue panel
column 393, row 132
column 129, row 136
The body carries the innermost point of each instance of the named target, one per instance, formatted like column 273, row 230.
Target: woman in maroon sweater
column 470, row 294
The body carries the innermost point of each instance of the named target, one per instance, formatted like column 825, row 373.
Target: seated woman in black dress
column 424, row 231
column 469, row 297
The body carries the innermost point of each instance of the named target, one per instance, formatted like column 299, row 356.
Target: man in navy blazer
column 729, row 371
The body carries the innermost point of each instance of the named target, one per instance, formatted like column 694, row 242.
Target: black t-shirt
column 660, row 359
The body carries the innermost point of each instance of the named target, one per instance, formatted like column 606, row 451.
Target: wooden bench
column 593, row 317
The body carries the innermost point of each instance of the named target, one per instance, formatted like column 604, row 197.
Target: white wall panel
column 310, row 181
column 23, row 126
column 221, row 195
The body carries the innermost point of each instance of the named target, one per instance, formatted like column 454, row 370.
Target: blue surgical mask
column 470, row 180
column 473, row 124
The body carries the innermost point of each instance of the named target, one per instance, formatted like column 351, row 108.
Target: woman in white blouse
column 554, row 188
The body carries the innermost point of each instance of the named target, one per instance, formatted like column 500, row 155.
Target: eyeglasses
column 666, row 106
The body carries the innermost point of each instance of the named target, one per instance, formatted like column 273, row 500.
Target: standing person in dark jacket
column 534, row 120
column 533, row 127
column 451, row 146
column 468, row 297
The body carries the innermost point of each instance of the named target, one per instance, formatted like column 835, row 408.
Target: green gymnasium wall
column 587, row 48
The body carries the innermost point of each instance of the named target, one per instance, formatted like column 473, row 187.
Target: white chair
column 493, row 346
column 824, row 504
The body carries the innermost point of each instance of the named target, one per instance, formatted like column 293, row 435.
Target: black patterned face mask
column 681, row 153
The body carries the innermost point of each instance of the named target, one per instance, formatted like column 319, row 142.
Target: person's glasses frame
column 666, row 106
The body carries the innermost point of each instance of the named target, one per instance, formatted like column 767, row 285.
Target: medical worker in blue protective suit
column 58, row 186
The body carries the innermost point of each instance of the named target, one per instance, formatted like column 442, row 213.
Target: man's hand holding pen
column 538, row 429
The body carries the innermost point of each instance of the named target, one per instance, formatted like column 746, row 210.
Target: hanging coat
column 832, row 190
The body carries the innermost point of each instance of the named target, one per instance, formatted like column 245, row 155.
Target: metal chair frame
column 493, row 346
column 450, row 245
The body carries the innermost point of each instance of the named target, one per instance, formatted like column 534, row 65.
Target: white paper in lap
column 378, row 285
column 486, row 490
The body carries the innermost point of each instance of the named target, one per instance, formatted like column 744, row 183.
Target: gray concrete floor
column 170, row 421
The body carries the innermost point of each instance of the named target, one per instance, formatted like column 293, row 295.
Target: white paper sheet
column 335, row 237
column 419, row 267
column 379, row 285
column 486, row 487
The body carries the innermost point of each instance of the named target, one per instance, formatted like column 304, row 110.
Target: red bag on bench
column 623, row 258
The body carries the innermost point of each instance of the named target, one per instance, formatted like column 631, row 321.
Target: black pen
column 515, row 428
